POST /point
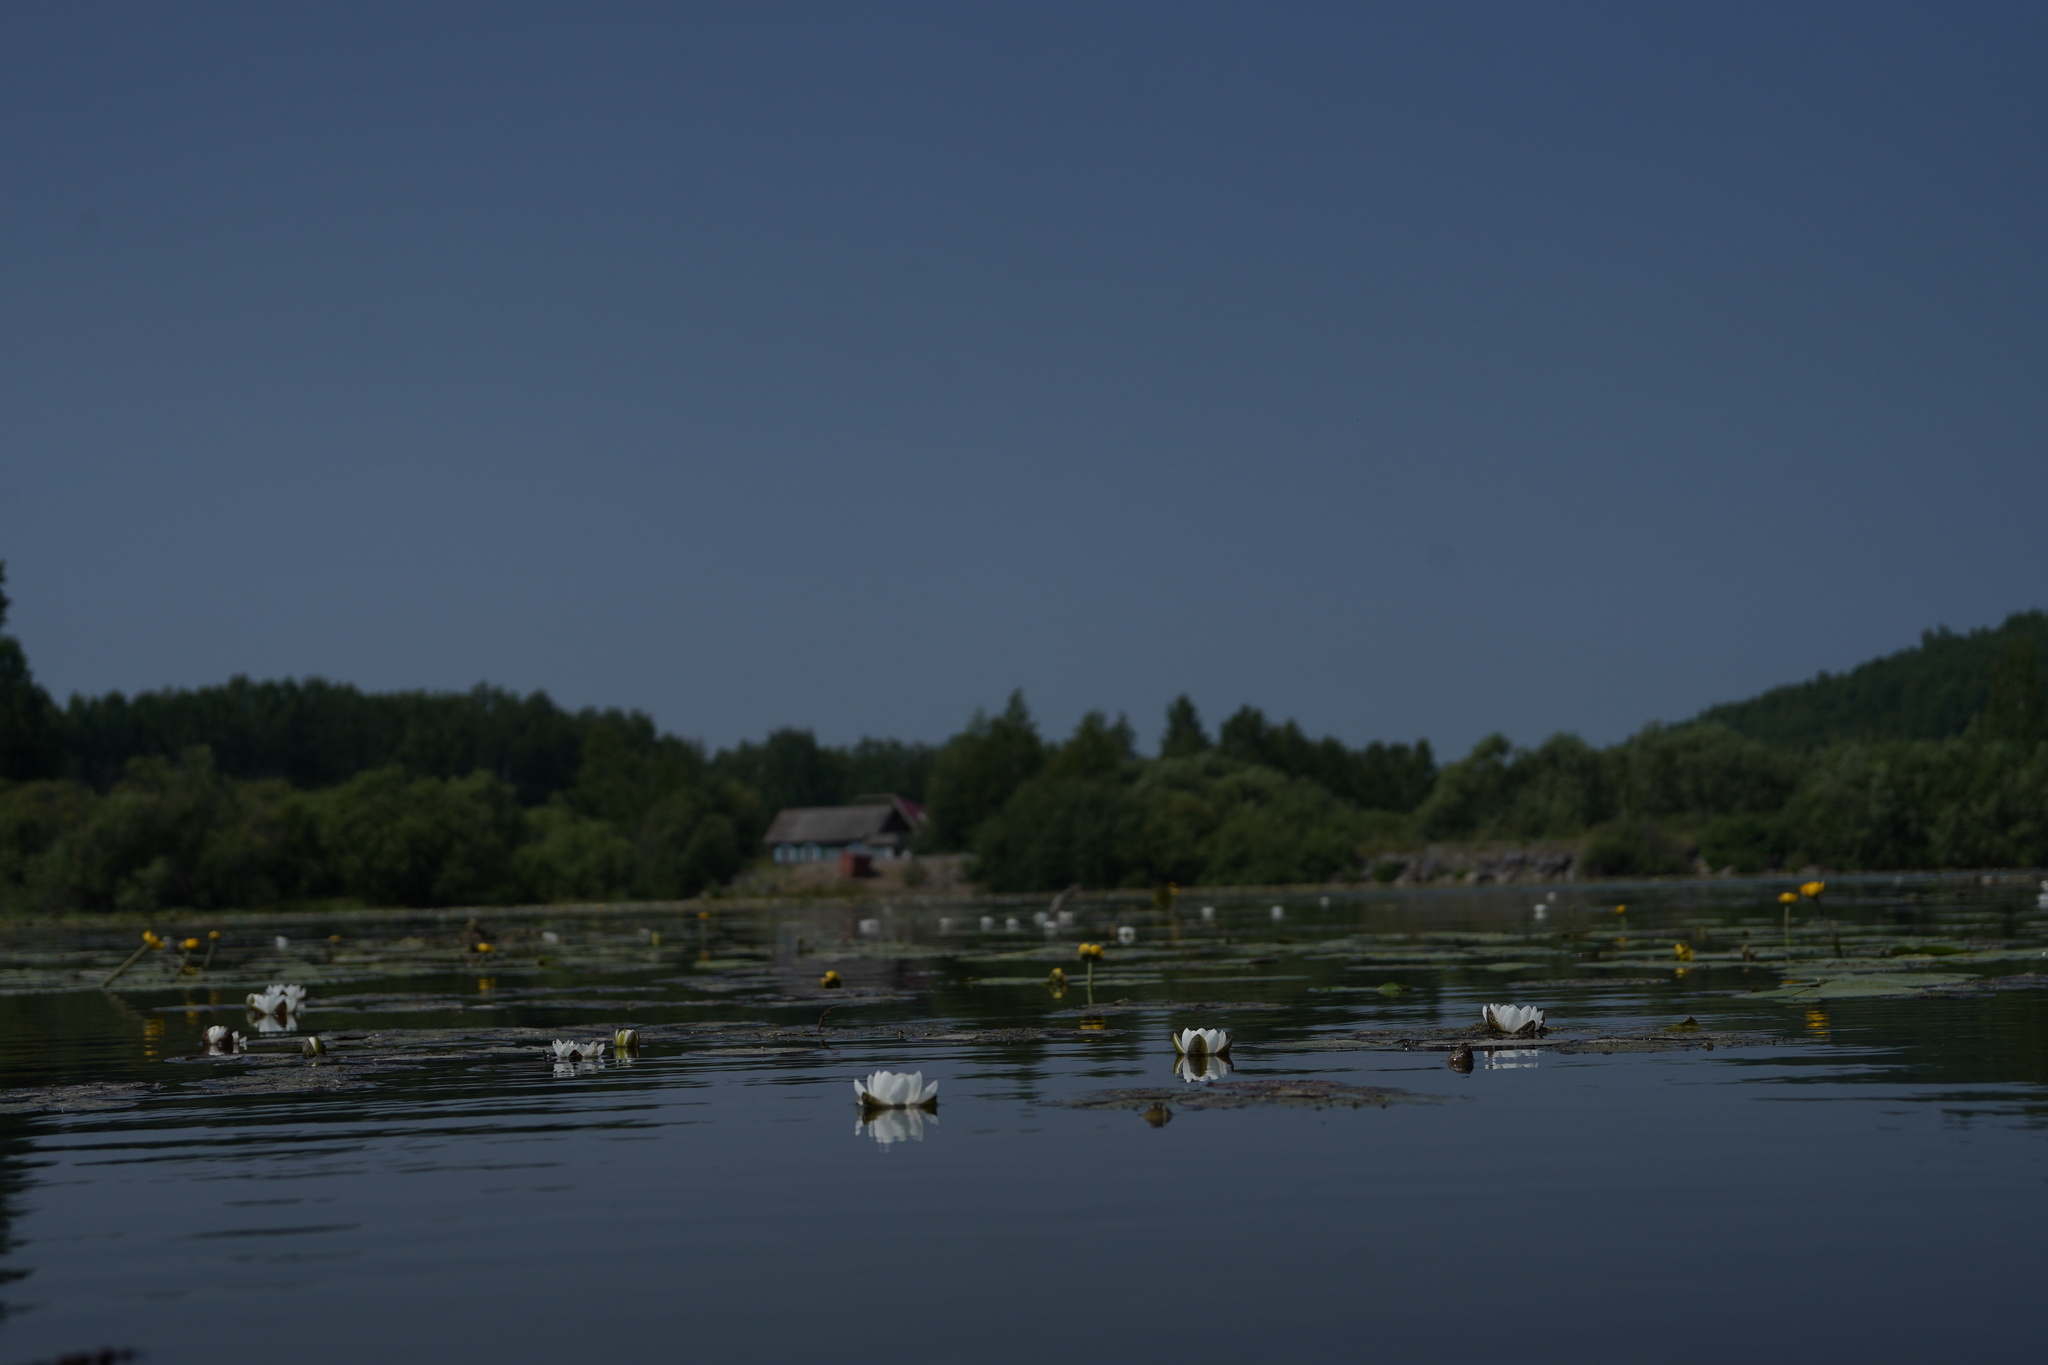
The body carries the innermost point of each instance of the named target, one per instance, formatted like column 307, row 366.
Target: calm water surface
column 1866, row 1174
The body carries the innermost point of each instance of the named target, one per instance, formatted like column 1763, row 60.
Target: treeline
column 1919, row 782
column 1702, row 796
column 260, row 793
column 1260, row 804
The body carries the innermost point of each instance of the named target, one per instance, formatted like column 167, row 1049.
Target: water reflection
column 1200, row 1068
column 1508, row 1059
column 894, row 1125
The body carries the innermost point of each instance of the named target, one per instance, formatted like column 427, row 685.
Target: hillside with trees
column 1932, row 690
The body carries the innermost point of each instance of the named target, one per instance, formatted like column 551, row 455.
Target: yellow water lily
column 1812, row 890
column 830, row 981
column 1682, row 951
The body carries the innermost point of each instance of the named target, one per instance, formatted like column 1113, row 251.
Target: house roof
column 842, row 824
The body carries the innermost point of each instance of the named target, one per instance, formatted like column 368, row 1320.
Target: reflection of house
column 873, row 826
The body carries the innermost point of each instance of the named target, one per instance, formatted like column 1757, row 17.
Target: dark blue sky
column 1411, row 371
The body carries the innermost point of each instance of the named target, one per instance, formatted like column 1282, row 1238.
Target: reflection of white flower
column 222, row 1039
column 567, row 1051
column 871, row 926
column 1512, row 1019
column 1200, row 1068
column 894, row 1125
column 278, row 1000
column 1126, row 935
column 988, row 922
column 1208, row 912
column 896, row 1090
column 270, row 1023
column 1198, row 1042
column 1010, row 925
column 550, row 937
column 1509, row 1058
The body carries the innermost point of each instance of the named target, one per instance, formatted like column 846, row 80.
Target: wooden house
column 873, row 827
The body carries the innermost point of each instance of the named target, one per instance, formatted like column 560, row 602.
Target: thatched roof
column 865, row 823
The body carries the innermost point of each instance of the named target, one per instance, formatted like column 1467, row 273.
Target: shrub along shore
column 264, row 794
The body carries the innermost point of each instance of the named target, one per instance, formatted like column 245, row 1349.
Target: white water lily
column 279, row 1000
column 1512, row 1019
column 1126, row 935
column 222, row 1039
column 988, row 922
column 1010, row 925
column 1200, row 1068
column 282, row 943
column 567, row 1051
column 894, row 1125
column 1201, row 1042
column 896, row 1090
column 1279, row 912
column 1209, row 912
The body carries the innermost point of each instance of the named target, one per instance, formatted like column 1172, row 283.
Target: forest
column 252, row 794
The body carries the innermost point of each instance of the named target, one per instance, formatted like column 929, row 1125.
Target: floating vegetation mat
column 1674, row 1038
column 1304, row 1092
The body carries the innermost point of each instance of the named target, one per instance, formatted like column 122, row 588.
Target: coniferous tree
column 1184, row 737
column 28, row 719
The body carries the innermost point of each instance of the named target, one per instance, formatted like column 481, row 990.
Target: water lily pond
column 1252, row 1129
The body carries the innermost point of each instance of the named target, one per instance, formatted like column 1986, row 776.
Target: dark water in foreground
column 1869, row 1178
